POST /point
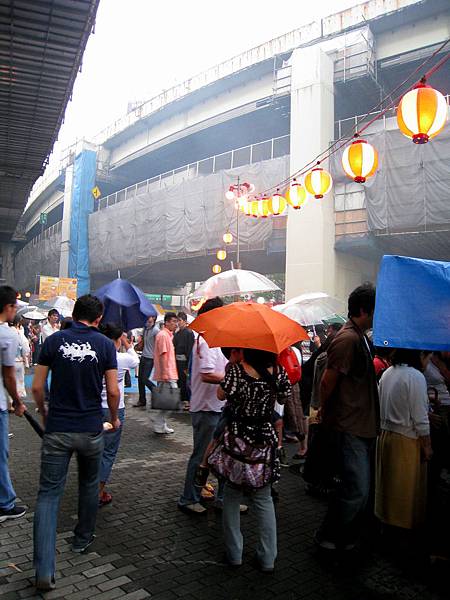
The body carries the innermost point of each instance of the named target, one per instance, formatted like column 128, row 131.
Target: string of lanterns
column 421, row 116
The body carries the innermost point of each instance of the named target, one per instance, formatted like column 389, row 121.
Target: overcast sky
column 141, row 47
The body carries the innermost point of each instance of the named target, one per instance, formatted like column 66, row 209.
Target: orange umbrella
column 245, row 325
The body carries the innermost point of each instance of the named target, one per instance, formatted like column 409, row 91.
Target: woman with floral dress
column 251, row 389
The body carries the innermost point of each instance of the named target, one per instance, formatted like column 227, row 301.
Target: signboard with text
column 49, row 287
column 68, row 287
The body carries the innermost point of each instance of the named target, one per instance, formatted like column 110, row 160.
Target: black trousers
column 145, row 369
column 182, row 366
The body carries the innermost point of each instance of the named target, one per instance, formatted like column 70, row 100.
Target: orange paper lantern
column 422, row 113
column 296, row 195
column 277, row 204
column 318, row 182
column 360, row 161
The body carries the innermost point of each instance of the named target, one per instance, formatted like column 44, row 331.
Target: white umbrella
column 25, row 308
column 35, row 315
column 313, row 309
column 62, row 304
column 234, row 282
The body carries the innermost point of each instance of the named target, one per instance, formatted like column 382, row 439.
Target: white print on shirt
column 78, row 351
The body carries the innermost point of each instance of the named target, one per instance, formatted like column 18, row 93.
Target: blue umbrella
column 125, row 304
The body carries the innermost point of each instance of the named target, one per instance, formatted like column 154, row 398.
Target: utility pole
column 238, row 239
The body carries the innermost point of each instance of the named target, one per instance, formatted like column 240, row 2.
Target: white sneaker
column 165, row 431
column 196, row 508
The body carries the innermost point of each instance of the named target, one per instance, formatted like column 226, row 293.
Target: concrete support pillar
column 65, row 230
column 310, row 255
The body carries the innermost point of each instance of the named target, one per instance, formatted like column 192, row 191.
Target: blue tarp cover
column 413, row 304
column 82, row 205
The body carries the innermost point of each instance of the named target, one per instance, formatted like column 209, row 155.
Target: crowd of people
column 371, row 424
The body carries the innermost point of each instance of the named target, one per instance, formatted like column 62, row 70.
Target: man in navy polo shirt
column 79, row 358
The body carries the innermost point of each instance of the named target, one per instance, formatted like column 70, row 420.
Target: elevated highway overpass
column 163, row 169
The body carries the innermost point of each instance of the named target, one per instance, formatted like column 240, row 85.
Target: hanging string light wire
column 344, row 139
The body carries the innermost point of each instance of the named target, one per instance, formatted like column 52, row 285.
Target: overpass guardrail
column 247, row 155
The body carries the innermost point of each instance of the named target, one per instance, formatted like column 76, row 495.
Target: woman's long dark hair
column 405, row 356
column 111, row 330
column 262, row 361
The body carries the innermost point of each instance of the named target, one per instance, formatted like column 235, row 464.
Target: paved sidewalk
column 146, row 548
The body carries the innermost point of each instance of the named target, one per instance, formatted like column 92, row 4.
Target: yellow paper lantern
column 216, row 269
column 422, row 113
column 318, row 182
column 227, row 238
column 221, row 254
column 264, row 208
column 253, row 208
column 296, row 195
column 277, row 204
column 360, row 161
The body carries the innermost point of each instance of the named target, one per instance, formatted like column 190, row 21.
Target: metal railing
column 47, row 233
column 247, row 155
column 347, row 127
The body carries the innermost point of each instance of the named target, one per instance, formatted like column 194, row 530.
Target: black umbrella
column 34, row 424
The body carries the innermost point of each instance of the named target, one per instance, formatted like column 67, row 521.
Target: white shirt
column 48, row 330
column 125, row 361
column 24, row 347
column 404, row 402
column 205, row 360
column 8, row 350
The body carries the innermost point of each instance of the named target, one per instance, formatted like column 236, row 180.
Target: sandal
column 201, row 476
column 208, row 494
column 104, row 499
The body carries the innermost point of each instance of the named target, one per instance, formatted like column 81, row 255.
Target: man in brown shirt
column 350, row 411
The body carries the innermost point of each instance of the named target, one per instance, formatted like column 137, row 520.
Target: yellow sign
column 68, row 287
column 49, row 287
column 96, row 192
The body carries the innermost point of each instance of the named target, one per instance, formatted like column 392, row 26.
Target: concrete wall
column 352, row 271
column 410, row 37
column 49, row 204
column 198, row 114
column 7, row 256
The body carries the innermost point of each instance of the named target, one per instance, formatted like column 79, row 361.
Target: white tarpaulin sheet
column 185, row 219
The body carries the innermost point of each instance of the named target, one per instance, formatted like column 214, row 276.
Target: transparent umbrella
column 314, row 309
column 35, row 315
column 63, row 305
column 233, row 283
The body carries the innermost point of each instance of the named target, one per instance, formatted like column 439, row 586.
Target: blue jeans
column 343, row 521
column 7, row 493
column 111, row 447
column 203, row 425
column 57, row 450
column 266, row 550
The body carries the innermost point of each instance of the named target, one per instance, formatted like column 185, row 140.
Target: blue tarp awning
column 413, row 304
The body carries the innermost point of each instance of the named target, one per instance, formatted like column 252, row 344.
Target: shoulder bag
column 165, row 397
